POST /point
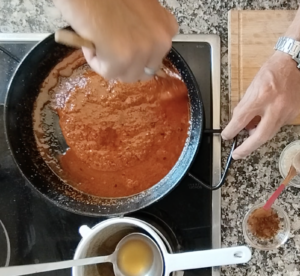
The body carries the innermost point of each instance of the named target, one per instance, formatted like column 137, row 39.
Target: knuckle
column 238, row 119
column 236, row 111
column 239, row 110
column 266, row 86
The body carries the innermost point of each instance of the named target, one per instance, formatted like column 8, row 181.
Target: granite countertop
column 251, row 180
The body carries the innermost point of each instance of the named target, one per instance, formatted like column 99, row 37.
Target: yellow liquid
column 135, row 258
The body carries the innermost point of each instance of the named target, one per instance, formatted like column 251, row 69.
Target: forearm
column 294, row 29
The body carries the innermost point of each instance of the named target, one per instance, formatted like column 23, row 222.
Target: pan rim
column 134, row 207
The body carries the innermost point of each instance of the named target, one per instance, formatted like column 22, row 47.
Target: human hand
column 128, row 35
column 273, row 95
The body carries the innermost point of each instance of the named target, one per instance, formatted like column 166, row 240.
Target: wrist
column 283, row 58
column 293, row 30
column 283, row 62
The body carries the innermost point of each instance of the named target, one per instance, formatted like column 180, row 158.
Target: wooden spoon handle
column 291, row 174
column 72, row 39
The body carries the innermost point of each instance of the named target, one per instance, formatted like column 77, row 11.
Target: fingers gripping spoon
column 72, row 39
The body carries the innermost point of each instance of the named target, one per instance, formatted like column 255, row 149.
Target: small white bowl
column 285, row 161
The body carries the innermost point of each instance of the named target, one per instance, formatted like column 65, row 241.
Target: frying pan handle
column 222, row 181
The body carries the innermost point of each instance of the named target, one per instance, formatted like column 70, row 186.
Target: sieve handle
column 207, row 258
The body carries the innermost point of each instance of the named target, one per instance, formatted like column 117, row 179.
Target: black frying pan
column 23, row 90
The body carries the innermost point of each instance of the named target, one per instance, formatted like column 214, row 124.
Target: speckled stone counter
column 251, row 180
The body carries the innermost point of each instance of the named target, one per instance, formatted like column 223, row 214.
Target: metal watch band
column 289, row 46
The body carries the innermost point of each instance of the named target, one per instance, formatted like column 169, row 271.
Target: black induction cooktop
column 33, row 230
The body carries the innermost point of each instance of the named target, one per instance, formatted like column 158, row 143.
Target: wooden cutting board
column 252, row 36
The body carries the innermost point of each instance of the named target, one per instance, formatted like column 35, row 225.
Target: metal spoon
column 294, row 170
column 36, row 268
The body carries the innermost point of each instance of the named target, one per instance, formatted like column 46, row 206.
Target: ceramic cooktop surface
column 33, row 230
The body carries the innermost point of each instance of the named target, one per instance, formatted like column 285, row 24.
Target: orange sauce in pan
column 123, row 138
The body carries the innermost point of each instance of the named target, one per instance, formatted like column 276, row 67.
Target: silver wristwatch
column 289, row 46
